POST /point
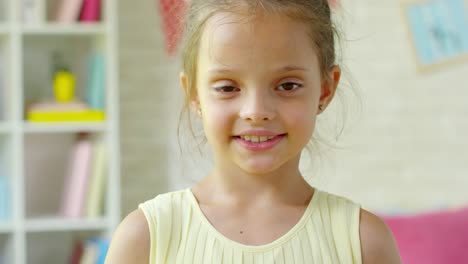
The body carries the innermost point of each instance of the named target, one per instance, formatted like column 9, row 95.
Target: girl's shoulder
column 165, row 201
column 366, row 230
column 377, row 241
column 339, row 207
column 166, row 208
column 131, row 240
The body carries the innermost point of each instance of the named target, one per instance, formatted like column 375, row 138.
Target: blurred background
column 405, row 151
column 89, row 109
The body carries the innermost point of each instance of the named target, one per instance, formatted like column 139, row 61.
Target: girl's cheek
column 219, row 114
column 303, row 120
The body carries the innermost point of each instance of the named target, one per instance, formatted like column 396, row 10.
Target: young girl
column 257, row 73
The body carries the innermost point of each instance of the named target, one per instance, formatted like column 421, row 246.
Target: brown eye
column 226, row 89
column 289, row 86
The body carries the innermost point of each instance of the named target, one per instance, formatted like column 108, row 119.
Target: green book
column 95, row 90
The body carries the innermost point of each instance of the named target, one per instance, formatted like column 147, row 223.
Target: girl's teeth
column 257, row 139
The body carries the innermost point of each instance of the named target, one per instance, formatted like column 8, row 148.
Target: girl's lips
column 260, row 146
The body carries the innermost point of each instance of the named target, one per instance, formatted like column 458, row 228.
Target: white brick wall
column 146, row 80
column 408, row 151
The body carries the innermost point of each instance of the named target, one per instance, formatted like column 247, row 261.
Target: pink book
column 53, row 106
column 90, row 11
column 68, row 11
column 76, row 180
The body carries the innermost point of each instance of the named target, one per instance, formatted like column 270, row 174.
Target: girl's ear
column 329, row 86
column 184, row 83
column 191, row 95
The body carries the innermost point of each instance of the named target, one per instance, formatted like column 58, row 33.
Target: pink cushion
column 433, row 238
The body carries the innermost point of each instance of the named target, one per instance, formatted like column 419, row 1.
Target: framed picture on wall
column 438, row 30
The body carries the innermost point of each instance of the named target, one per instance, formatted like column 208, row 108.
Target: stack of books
column 49, row 112
column 78, row 10
column 91, row 251
column 66, row 11
column 85, row 179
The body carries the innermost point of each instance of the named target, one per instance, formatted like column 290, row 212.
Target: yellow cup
column 64, row 86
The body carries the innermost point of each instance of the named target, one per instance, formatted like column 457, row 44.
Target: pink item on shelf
column 433, row 238
column 76, row 180
column 68, row 11
column 90, row 11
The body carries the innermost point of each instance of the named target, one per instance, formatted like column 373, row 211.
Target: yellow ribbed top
column 328, row 232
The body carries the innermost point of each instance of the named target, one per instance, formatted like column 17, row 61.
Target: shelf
column 4, row 28
column 54, row 247
column 6, row 247
column 65, row 224
column 56, row 29
column 35, row 157
column 4, row 128
column 63, row 127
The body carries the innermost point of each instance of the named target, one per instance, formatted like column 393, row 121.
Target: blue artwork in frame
column 439, row 29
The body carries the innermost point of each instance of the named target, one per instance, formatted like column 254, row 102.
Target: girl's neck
column 285, row 185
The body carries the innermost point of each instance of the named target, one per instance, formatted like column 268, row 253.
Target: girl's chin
column 258, row 166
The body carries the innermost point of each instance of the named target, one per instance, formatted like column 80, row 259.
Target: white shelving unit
column 33, row 155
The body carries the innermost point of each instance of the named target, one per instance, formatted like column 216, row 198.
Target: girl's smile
column 259, row 140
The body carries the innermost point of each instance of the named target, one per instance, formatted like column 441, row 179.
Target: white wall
column 410, row 150
column 407, row 152
column 147, row 79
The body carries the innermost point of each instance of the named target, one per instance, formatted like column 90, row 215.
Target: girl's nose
column 258, row 107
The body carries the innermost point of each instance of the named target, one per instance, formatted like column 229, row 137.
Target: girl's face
column 258, row 88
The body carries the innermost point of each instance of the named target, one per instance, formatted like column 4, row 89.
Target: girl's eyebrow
column 220, row 70
column 286, row 68
column 289, row 68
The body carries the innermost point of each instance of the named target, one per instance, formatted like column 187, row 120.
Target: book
column 76, row 178
column 101, row 246
column 2, row 89
column 95, row 89
column 90, row 253
column 68, row 11
column 90, row 11
column 96, row 188
column 31, row 12
column 5, row 199
column 77, row 252
column 69, row 112
column 54, row 106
